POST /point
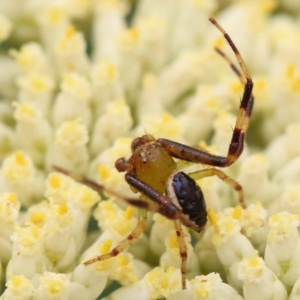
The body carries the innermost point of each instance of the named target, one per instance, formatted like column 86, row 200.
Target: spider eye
column 137, row 142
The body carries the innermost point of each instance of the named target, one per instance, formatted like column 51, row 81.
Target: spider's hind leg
column 211, row 172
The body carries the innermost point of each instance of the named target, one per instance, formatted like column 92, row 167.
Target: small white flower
column 18, row 286
column 53, row 286
column 211, row 287
column 259, row 282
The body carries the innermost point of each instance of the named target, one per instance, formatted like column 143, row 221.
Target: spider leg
column 161, row 204
column 156, row 196
column 237, row 141
column 142, row 219
column 171, row 212
column 211, row 172
column 232, row 65
column 234, row 69
column 182, row 251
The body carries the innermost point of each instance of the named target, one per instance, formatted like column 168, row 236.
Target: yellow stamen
column 62, row 209
column 105, row 247
column 12, row 197
column 290, row 71
column 237, row 212
column 70, row 32
column 16, row 281
column 103, row 172
column 38, row 217
column 129, row 212
column 166, row 117
column 20, row 159
column 212, row 217
column 54, row 181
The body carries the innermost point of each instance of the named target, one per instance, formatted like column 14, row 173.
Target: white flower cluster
column 79, row 79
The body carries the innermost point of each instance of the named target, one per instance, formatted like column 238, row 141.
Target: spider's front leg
column 237, row 141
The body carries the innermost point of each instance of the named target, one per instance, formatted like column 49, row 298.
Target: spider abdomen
column 185, row 193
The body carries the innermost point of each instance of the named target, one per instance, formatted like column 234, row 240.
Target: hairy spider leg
column 182, row 164
column 158, row 197
column 182, row 251
column 237, row 141
column 219, row 173
column 161, row 204
column 235, row 70
column 171, row 213
column 142, row 219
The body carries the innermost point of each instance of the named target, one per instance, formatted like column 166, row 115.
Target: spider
column 152, row 171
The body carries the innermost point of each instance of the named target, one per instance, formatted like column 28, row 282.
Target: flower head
column 80, row 80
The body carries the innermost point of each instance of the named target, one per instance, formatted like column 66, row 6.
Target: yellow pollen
column 275, row 218
column 290, row 71
column 108, row 206
column 123, row 260
column 203, row 145
column 27, row 110
column 237, row 212
column 134, row 33
column 212, row 102
column 212, row 217
column 70, row 32
column 253, row 261
column 257, row 205
column 293, row 196
column 16, row 281
column 260, row 84
column 268, row 6
column 72, row 126
column 62, row 209
column 105, row 248
column 219, row 43
column 12, row 197
column 20, row 159
column 129, row 212
column 55, row 287
column 69, row 80
column 54, row 181
column 296, row 84
column 236, row 87
column 54, row 15
column 164, row 283
column 38, row 217
column 38, row 84
column 35, row 232
column 166, row 117
column 173, row 242
column 103, row 265
column 103, row 172
column 202, row 292
column 111, row 71
column 229, row 226
column 87, row 196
